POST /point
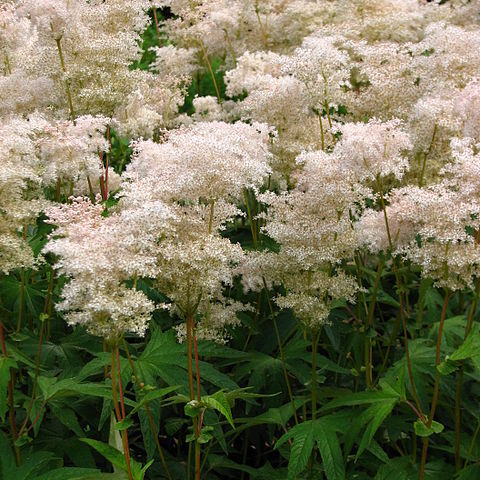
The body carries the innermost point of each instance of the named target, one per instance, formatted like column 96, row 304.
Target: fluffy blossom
column 20, row 191
column 374, row 149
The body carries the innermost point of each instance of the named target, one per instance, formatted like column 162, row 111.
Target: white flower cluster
column 354, row 124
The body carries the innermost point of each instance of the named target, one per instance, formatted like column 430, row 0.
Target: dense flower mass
column 352, row 100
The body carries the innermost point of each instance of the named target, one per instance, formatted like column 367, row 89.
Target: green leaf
column 7, row 460
column 423, row 430
column 124, row 424
column 470, row 473
column 330, row 452
column 114, row 456
column 447, row 367
column 468, row 349
column 304, row 437
column 68, row 417
column 303, row 443
column 117, row 458
column 219, row 402
column 153, row 395
column 35, row 464
column 192, row 409
column 361, row 398
column 377, row 413
column 397, row 469
column 5, row 365
column 70, row 473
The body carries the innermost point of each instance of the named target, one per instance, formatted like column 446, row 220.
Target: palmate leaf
column 381, row 404
column 305, row 436
column 165, row 358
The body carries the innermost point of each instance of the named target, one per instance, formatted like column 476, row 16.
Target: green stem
column 20, row 300
column 472, row 444
column 147, row 409
column 315, row 339
column 458, row 393
column 190, row 323
column 190, row 327
column 425, row 155
column 253, row 227
column 11, row 404
column 322, row 134
column 257, row 311
column 35, row 380
column 67, row 83
column 210, row 69
column 371, row 310
column 272, row 313
column 156, row 26
column 400, row 297
column 189, row 461
column 90, row 189
column 262, row 28
column 210, row 220
column 282, row 355
column 120, row 417
column 7, row 64
column 437, row 383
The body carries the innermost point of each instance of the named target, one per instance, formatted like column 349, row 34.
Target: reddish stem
column 35, row 420
column 156, row 25
column 189, row 356
column 35, row 381
column 197, row 366
column 126, row 450
column 147, row 409
column 437, row 384
column 2, row 339
column 122, row 403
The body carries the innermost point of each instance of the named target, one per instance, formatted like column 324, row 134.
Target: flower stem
column 196, row 422
column 425, row 155
column 156, row 25
column 282, row 355
column 437, row 383
column 67, row 82
column 272, row 313
column 35, row 380
column 315, row 339
column 262, row 28
column 210, row 69
column 120, row 413
column 11, row 405
column 458, row 394
column 20, row 300
column 400, row 297
column 189, row 356
column 371, row 310
column 147, row 409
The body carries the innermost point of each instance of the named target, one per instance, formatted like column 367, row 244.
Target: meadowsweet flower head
column 71, row 151
column 374, row 149
column 209, row 160
column 21, row 196
column 99, row 255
